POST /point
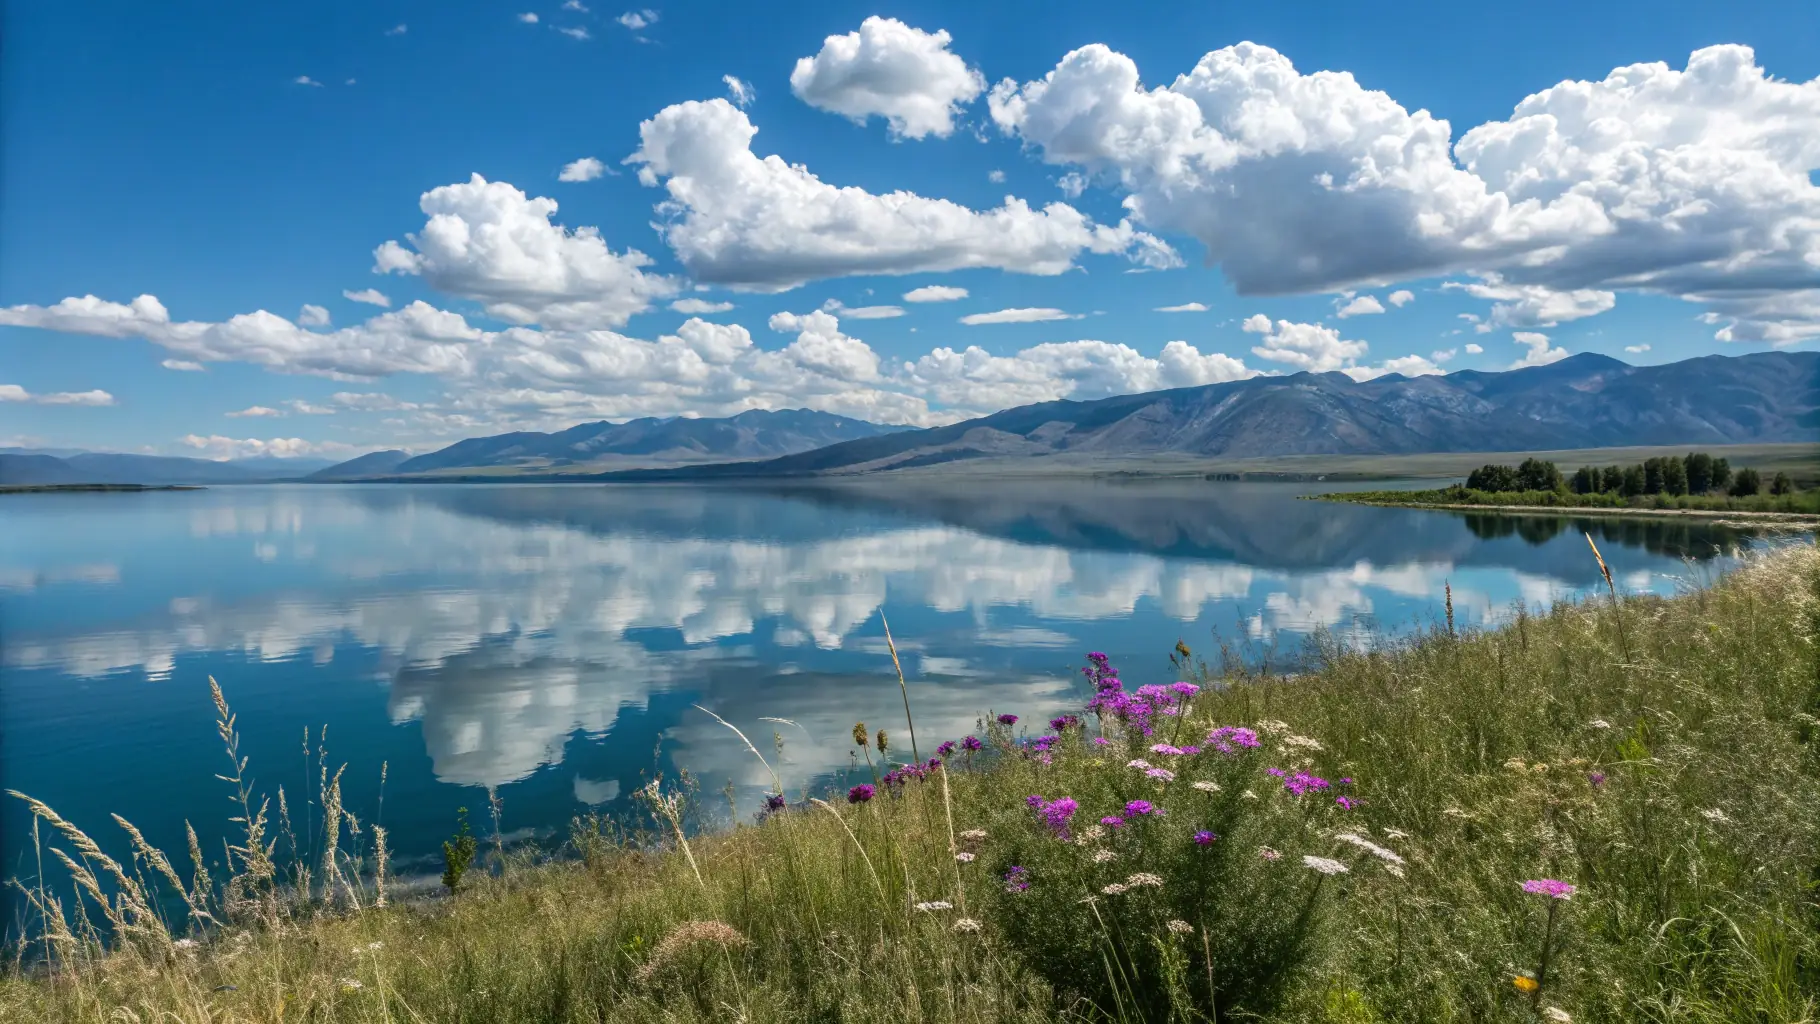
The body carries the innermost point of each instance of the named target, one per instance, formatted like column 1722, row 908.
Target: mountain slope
column 749, row 435
column 109, row 468
column 370, row 464
column 1584, row 401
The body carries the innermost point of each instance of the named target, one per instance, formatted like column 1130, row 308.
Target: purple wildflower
column 1017, row 879
column 1228, row 738
column 774, row 802
column 1347, row 781
column 972, row 743
column 861, row 793
column 946, row 748
column 1064, row 722
column 1055, row 813
column 1161, row 773
column 1345, row 802
column 1185, row 689
column 1597, row 779
column 1204, row 838
column 1164, row 748
column 1112, row 821
column 1302, row 782
column 1136, row 807
column 1034, row 800
column 1101, row 741
column 1007, row 719
column 1278, row 772
column 1550, row 888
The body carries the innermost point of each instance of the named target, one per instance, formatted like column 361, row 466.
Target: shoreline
column 1745, row 517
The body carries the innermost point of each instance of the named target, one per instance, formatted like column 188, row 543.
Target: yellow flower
column 1524, row 983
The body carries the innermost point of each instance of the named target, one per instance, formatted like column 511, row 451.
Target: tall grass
column 1375, row 875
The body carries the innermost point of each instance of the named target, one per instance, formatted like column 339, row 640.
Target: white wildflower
column 966, row 924
column 1144, row 878
column 1249, row 795
column 1207, row 787
column 935, row 905
column 1178, row 926
column 1116, row 889
column 974, row 835
column 1716, row 815
column 1325, row 865
column 1139, row 763
column 1267, row 853
column 1555, row 1013
column 1102, row 856
column 964, row 857
column 350, row 984
column 1273, row 725
column 1599, row 723
column 1092, row 832
column 1304, row 742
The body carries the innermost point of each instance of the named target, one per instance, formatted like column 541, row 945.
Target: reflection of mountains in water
column 1261, row 525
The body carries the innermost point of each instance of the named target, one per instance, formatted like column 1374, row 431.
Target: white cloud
column 254, row 411
column 1539, row 354
column 575, row 5
column 370, row 296
column 1313, row 347
column 740, row 92
column 862, row 312
column 182, row 365
column 887, row 68
column 371, row 401
column 1638, row 349
column 1072, row 184
column 15, row 393
column 977, row 381
column 1186, row 307
column 763, row 224
column 697, row 307
column 935, row 293
column 299, row 405
column 1402, row 297
column 1533, row 305
column 821, row 346
column 1443, row 355
column 996, row 177
column 397, row 30
column 1691, row 183
column 1360, row 305
column 1473, row 349
column 1017, row 316
column 586, row 169
column 313, row 316
column 577, row 32
column 306, row 80
column 528, row 18
column 222, row 448
column 636, row 20
column 487, row 241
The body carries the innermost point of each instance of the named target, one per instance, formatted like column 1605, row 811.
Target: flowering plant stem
column 902, row 688
column 1548, row 944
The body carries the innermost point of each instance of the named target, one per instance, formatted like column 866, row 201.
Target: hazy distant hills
column 648, row 441
column 27, row 466
column 371, row 464
column 1585, row 401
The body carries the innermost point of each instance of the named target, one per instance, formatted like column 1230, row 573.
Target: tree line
column 1695, row 473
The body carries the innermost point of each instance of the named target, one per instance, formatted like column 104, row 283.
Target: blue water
column 547, row 642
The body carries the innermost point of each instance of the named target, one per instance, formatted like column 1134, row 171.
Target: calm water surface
column 548, row 642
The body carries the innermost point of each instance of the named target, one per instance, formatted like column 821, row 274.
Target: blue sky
column 231, row 161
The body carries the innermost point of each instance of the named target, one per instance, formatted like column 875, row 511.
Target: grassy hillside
column 1385, row 837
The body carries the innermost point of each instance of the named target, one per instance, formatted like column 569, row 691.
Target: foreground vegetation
column 1602, row 813
column 1801, row 503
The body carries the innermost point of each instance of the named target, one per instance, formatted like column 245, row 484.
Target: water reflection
column 549, row 639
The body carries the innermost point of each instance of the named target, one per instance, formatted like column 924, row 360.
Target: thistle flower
column 972, row 743
column 883, row 741
column 1345, row 803
column 1325, row 865
column 861, row 793
column 946, row 748
column 859, row 733
column 1596, row 778
column 1227, row 739
column 774, row 802
column 1007, row 719
column 1549, row 887
column 1184, row 689
column 1204, row 838
column 1178, row 926
column 1064, row 722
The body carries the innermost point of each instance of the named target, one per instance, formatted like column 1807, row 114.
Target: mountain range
column 40, row 466
column 1583, row 401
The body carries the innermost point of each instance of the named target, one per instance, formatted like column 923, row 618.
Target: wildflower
column 351, row 985
column 1302, row 782
column 1064, row 722
column 972, row 743
column 1325, row 865
column 1228, row 738
column 1139, row 763
column 935, row 905
column 1204, row 838
column 1017, row 879
column 1164, row 748
column 1207, row 787
column 966, row 924
column 1302, row 742
column 1116, row 889
column 883, row 741
column 1516, row 764
column 1346, row 803
column 1555, row 1013
column 1161, row 773
column 1524, row 984
column 861, row 793
column 1094, row 833
column 1190, row 749
column 1369, row 847
column 1185, row 689
column 1278, row 772
column 185, row 945
column 974, row 834
column 1550, row 888
column 946, row 748
column 1599, row 723
column 1034, row 800
column 1142, row 807
column 774, row 802
column 1101, row 741
column 1596, row 778
column 1273, row 725
column 1102, row 856
column 1268, row 854
column 1007, row 719
column 1144, row 878
column 1249, row 795
column 1055, row 813
column 859, row 734
column 1714, row 814
column 964, row 857
column 1178, row 926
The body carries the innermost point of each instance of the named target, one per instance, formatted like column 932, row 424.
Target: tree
column 1536, row 475
column 1745, row 483
column 1611, row 479
column 1635, row 480
column 1722, row 474
column 1699, row 466
column 1674, row 476
column 1781, row 485
column 1652, row 476
column 1492, row 478
column 1586, row 480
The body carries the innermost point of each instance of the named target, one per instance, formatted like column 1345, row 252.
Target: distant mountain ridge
column 25, row 466
column 758, row 434
column 1584, row 401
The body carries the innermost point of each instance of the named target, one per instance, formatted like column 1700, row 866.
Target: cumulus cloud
column 636, row 20
column 1360, row 305
column 737, row 219
column 1017, row 316
column 739, row 91
column 1186, row 307
column 1473, row 349
column 254, row 411
column 697, row 307
column 221, row 448
column 490, row 242
column 894, row 71
column 15, row 393
column 1318, row 348
column 1401, row 297
column 529, row 18
column 370, row 296
column 935, row 293
column 1692, row 183
column 1637, row 349
column 996, row 177
column 1539, row 354
column 976, row 380
column 313, row 316
column 1532, row 305
column 586, row 169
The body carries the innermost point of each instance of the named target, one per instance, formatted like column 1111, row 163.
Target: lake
column 547, row 643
